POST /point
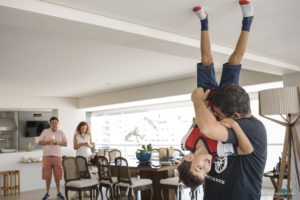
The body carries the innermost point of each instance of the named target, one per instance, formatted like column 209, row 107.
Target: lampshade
column 279, row 101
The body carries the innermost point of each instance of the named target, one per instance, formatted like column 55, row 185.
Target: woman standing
column 83, row 140
column 82, row 144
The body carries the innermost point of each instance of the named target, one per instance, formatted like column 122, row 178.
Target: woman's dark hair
column 187, row 177
column 54, row 118
column 230, row 99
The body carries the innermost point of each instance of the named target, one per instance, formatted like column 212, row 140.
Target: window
column 127, row 130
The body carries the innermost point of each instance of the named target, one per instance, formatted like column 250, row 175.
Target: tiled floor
column 38, row 194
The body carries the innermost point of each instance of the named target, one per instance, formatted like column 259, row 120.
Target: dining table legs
column 155, row 176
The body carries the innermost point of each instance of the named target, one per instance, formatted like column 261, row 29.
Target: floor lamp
column 286, row 103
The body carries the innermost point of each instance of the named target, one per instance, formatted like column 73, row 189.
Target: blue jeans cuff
column 206, row 77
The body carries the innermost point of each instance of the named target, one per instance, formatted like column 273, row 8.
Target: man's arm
column 42, row 140
column 64, row 143
column 42, row 143
column 206, row 121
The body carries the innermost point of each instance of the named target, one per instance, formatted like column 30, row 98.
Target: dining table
column 153, row 170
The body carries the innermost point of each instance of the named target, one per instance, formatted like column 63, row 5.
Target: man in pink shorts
column 52, row 139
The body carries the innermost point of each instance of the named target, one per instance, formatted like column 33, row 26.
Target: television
column 35, row 128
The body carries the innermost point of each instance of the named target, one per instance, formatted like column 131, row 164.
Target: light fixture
column 286, row 103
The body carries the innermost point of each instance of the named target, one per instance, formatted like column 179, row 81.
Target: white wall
column 69, row 116
column 294, row 80
column 166, row 89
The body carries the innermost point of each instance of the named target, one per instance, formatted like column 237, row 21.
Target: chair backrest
column 83, row 167
column 70, row 169
column 178, row 153
column 123, row 173
column 103, row 152
column 171, row 151
column 114, row 153
column 103, row 169
column 165, row 152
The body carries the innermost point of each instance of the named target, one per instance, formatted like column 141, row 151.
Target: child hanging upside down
column 204, row 147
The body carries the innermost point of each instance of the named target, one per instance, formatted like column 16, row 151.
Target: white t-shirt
column 83, row 150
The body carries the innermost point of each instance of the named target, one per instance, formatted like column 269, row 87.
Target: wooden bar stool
column 15, row 186
column 5, row 188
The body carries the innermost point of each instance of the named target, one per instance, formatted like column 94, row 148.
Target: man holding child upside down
column 228, row 145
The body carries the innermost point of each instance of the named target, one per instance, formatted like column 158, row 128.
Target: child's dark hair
column 187, row 177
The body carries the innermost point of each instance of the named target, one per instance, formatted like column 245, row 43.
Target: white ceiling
column 80, row 47
column 274, row 26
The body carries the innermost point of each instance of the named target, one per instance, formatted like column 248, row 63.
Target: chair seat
column 140, row 182
column 137, row 182
column 82, row 183
column 114, row 180
column 170, row 181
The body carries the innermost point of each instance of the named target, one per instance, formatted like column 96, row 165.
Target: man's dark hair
column 187, row 177
column 230, row 99
column 54, row 118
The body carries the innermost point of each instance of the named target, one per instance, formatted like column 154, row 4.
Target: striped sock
column 203, row 17
column 247, row 10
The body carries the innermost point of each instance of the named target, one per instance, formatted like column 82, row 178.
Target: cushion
column 140, row 182
column 82, row 183
column 137, row 182
column 170, row 181
column 114, row 179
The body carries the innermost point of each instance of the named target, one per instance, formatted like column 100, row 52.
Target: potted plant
column 144, row 154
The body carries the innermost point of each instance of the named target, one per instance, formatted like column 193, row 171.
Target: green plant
column 144, row 149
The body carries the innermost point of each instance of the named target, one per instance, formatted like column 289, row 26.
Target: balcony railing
column 128, row 150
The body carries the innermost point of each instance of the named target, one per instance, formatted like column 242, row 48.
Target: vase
column 143, row 157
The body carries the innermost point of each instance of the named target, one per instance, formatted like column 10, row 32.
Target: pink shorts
column 49, row 163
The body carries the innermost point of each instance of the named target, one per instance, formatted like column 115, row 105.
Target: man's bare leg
column 240, row 49
column 57, row 182
column 48, row 183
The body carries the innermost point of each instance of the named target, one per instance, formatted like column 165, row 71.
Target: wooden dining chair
column 103, row 152
column 166, row 152
column 172, row 183
column 178, row 153
column 132, row 185
column 114, row 153
column 83, row 167
column 163, row 152
column 106, row 180
column 73, row 179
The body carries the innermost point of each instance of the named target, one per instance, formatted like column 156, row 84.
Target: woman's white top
column 83, row 150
